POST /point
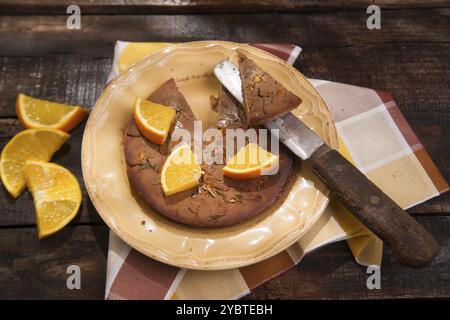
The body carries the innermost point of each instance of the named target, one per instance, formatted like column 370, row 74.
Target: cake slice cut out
column 264, row 97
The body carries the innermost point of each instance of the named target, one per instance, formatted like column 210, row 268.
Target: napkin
column 373, row 135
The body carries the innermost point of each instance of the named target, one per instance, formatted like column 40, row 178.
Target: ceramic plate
column 104, row 170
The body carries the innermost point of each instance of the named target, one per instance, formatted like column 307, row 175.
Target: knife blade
column 292, row 132
column 410, row 243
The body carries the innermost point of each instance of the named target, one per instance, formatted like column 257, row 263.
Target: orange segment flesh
column 180, row 172
column 37, row 113
column 56, row 194
column 250, row 162
column 153, row 120
column 30, row 144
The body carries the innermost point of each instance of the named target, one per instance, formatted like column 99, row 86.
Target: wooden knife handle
column 409, row 242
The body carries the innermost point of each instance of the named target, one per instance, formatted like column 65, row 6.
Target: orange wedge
column 56, row 194
column 31, row 144
column 181, row 171
column 250, row 162
column 37, row 113
column 153, row 120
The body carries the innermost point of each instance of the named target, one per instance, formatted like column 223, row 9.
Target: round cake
column 218, row 200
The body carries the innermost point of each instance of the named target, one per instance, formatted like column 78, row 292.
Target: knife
column 410, row 243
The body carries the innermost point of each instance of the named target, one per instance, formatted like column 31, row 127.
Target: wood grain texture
column 20, row 211
column 436, row 206
column 72, row 79
column 40, row 35
column 397, row 69
column 331, row 273
column 204, row 6
column 415, row 74
column 408, row 57
column 36, row 269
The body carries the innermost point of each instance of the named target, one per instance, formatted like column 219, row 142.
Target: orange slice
column 31, row 144
column 181, row 171
column 56, row 194
column 153, row 120
column 250, row 162
column 37, row 113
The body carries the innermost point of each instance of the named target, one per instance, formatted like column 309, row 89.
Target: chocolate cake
column 218, row 201
column 264, row 97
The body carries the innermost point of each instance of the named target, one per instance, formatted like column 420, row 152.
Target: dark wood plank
column 40, row 35
column 436, row 206
column 331, row 273
column 396, row 68
column 415, row 74
column 415, row 78
column 408, row 57
column 71, row 79
column 203, row 6
column 20, row 211
column 36, row 269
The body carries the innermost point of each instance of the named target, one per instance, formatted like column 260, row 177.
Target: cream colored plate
column 104, row 170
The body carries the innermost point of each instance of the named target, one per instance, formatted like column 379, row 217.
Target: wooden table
column 39, row 56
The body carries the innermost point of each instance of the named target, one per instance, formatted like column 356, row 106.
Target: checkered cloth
column 373, row 134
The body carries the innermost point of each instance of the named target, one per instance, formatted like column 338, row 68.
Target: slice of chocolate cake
column 264, row 97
